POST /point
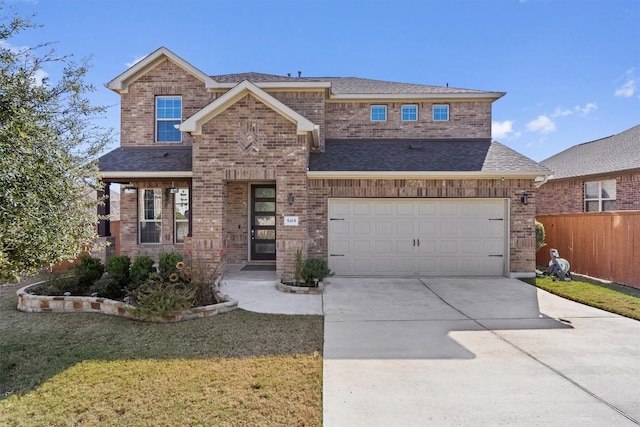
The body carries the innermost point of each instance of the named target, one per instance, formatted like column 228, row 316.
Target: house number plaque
column 291, row 221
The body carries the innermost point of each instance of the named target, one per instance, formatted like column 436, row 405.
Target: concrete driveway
column 441, row 352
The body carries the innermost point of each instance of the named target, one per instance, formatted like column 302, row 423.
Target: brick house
column 596, row 176
column 378, row 178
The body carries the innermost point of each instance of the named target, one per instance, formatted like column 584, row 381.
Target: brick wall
column 310, row 105
column 522, row 222
column 129, row 221
column 237, row 221
column 137, row 110
column 567, row 195
column 249, row 142
column 352, row 120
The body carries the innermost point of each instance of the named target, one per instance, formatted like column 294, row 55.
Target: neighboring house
column 597, row 176
column 378, row 178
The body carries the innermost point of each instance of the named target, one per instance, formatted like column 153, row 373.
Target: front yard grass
column 240, row 368
column 610, row 297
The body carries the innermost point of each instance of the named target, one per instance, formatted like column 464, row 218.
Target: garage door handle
column 336, row 254
column 336, row 219
column 414, row 242
column 496, row 219
column 497, row 255
column 418, row 242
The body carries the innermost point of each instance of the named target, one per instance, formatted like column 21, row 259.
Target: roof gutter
column 143, row 174
column 401, row 96
column 421, row 175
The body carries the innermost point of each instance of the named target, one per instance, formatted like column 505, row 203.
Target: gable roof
column 121, row 83
column 615, row 153
column 148, row 162
column 449, row 157
column 194, row 123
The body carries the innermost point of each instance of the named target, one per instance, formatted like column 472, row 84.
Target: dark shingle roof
column 612, row 154
column 349, row 85
column 464, row 155
column 146, row 159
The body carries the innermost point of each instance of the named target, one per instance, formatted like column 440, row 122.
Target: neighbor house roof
column 461, row 157
column 146, row 162
column 615, row 153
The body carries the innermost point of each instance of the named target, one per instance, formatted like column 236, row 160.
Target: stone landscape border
column 300, row 289
column 32, row 303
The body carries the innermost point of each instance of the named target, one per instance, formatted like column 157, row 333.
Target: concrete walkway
column 474, row 352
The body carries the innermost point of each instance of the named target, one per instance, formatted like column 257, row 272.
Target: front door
column 263, row 222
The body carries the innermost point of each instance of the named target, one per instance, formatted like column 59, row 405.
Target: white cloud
column 561, row 113
column 39, row 77
column 542, row 124
column 583, row 111
column 135, row 61
column 629, row 84
column 503, row 130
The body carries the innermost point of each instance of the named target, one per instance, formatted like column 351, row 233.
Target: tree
column 48, row 145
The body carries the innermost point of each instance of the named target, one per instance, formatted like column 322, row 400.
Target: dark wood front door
column 263, row 222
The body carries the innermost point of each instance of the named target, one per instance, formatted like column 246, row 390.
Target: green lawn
column 614, row 298
column 239, row 368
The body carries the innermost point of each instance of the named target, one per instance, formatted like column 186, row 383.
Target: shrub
column 299, row 265
column 315, row 268
column 156, row 297
column 167, row 264
column 59, row 284
column 119, row 264
column 540, row 236
column 110, row 286
column 88, row 271
column 139, row 272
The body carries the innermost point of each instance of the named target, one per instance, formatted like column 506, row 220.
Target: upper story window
column 440, row 113
column 600, row 196
column 150, row 215
column 168, row 118
column 378, row 113
column 409, row 113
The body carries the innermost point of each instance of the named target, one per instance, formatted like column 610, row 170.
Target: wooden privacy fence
column 605, row 245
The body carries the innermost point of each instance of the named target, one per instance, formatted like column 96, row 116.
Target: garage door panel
column 411, row 237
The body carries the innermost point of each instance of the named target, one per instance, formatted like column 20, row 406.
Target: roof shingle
column 146, row 159
column 612, row 154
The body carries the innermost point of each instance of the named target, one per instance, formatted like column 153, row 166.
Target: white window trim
column 598, row 199
column 386, row 112
column 433, row 112
column 156, row 119
column 142, row 219
column 402, row 112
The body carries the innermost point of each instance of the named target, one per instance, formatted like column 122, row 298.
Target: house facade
column 377, row 178
column 596, row 176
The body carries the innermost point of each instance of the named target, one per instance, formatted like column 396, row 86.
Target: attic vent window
column 416, row 147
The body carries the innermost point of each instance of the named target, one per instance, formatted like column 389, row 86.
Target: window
column 150, row 215
column 440, row 113
column 600, row 196
column 378, row 113
column 168, row 117
column 181, row 214
column 409, row 113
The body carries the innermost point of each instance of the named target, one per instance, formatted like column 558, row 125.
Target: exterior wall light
column 524, row 199
column 290, row 198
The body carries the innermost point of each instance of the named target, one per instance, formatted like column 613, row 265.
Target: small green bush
column 119, row 264
column 315, row 268
column 139, row 272
column 157, row 297
column 110, row 286
column 88, row 271
column 58, row 284
column 167, row 264
column 540, row 236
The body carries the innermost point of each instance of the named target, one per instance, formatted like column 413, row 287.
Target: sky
column 570, row 68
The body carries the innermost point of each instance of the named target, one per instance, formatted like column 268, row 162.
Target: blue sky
column 571, row 68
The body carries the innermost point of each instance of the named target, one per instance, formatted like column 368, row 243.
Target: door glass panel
column 265, row 220
column 266, row 234
column 265, row 248
column 265, row 206
column 265, row 193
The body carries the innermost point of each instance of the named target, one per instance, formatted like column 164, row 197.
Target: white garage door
column 435, row 237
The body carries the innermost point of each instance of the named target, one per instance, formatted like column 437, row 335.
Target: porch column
column 104, row 225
